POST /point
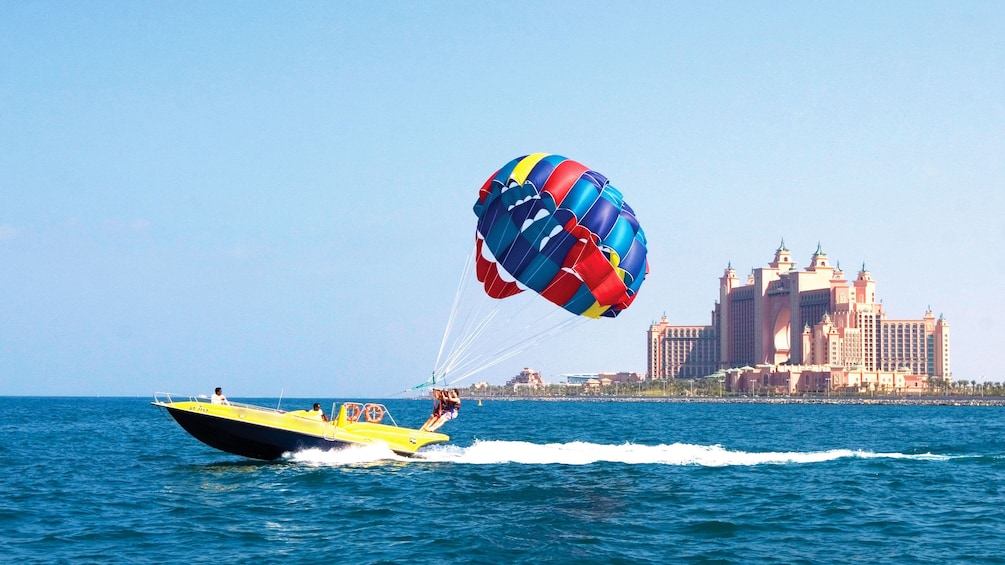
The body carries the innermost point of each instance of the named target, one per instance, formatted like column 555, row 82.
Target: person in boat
column 450, row 405
column 316, row 412
column 218, row 397
column 437, row 410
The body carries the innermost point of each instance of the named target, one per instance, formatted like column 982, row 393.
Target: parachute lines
column 549, row 230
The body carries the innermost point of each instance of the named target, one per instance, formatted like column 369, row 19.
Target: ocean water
column 116, row 480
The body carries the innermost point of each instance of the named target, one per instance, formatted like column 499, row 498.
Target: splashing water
column 353, row 455
column 584, row 453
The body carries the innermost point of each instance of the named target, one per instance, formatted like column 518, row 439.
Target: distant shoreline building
column 815, row 319
column 527, row 378
column 595, row 380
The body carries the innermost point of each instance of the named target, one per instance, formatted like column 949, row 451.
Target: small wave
column 583, row 453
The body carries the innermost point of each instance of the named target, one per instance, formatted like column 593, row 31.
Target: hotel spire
column 819, row 259
column 783, row 259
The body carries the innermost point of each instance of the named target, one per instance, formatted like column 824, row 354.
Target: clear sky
column 277, row 196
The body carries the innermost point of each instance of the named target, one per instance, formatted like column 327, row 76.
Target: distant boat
column 479, row 401
column 267, row 433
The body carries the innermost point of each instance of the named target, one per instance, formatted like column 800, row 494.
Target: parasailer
column 446, row 406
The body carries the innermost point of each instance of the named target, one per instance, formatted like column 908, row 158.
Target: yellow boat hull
column 264, row 433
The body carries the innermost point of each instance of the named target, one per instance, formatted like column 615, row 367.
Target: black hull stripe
column 247, row 439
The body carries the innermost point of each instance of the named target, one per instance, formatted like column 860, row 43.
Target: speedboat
column 267, row 433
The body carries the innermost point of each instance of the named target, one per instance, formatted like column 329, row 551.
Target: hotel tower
column 780, row 316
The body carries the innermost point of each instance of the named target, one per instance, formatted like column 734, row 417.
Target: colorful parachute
column 549, row 224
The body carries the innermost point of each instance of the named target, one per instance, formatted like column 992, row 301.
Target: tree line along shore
column 976, row 394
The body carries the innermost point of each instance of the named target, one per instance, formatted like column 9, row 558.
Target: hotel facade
column 802, row 331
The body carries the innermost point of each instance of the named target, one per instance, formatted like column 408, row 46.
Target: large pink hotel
column 802, row 331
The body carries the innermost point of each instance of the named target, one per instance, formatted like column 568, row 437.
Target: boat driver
column 316, row 412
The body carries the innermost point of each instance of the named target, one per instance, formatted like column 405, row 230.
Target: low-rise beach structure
column 819, row 379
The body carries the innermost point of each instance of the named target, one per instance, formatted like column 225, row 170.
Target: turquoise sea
column 88, row 480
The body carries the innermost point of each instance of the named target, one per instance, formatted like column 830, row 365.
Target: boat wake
column 584, row 453
column 351, row 455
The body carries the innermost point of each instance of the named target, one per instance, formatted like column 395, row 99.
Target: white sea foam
column 353, row 455
column 582, row 453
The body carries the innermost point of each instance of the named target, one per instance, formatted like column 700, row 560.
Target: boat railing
column 386, row 412
column 372, row 412
column 164, row 397
column 169, row 398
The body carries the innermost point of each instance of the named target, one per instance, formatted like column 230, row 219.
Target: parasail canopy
column 551, row 225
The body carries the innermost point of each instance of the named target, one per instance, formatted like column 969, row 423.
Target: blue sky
column 277, row 196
